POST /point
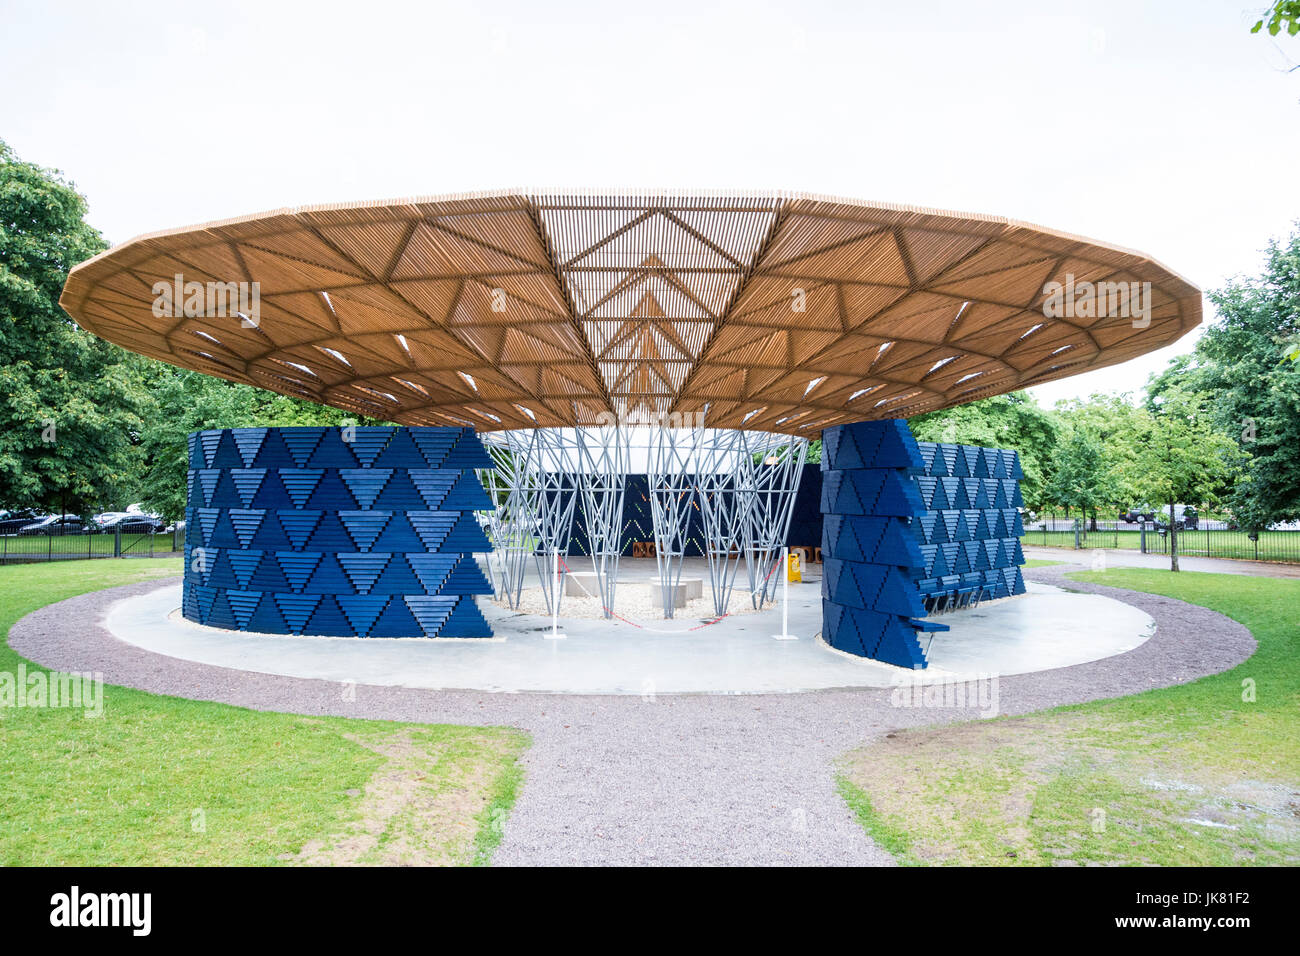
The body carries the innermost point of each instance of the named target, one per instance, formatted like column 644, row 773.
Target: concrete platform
column 586, row 584
column 1044, row 629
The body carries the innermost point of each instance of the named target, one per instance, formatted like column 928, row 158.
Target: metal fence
column 59, row 546
column 1210, row 539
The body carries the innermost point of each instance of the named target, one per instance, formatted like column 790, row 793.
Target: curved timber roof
column 781, row 312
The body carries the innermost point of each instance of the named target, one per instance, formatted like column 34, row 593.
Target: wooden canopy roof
column 780, row 312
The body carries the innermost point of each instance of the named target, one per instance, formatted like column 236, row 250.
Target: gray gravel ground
column 689, row 779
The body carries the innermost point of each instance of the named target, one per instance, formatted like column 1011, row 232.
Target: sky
column 1164, row 127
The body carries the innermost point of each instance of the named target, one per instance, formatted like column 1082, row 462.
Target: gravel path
column 689, row 779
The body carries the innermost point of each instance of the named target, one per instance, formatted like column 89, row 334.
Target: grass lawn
column 1041, row 563
column 163, row 780
column 1203, row 773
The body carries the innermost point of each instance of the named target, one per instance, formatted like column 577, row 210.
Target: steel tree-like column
column 770, row 469
column 724, row 512
column 513, row 489
column 556, row 495
column 671, row 475
column 603, row 456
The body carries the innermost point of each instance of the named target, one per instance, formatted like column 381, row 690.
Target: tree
column 70, row 403
column 1108, row 422
column 1245, row 378
column 1281, row 15
column 1003, row 421
column 182, row 401
column 1080, row 478
column 1176, row 457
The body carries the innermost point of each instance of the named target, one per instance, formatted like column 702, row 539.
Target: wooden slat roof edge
column 531, row 196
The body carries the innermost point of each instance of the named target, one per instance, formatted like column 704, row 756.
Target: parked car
column 12, row 521
column 56, row 524
column 1138, row 513
column 1186, row 518
column 132, row 523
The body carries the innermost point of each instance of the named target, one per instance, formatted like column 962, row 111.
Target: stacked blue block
column 869, row 495
column 365, row 531
column 969, row 529
column 910, row 528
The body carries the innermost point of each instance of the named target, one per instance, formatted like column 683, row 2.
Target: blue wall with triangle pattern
column 365, row 531
column 908, row 527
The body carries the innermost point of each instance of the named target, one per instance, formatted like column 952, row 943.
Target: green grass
column 1200, row 773
column 1282, row 546
column 1041, row 563
column 492, row 818
column 163, row 780
column 889, row 837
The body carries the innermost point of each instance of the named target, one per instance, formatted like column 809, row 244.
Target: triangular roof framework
column 777, row 312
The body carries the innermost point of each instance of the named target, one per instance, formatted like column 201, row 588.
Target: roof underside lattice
column 780, row 312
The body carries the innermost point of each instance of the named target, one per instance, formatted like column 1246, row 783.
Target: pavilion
column 733, row 327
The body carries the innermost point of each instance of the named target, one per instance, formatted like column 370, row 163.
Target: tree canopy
column 1281, row 15
column 1244, row 377
column 1177, row 456
column 70, row 403
column 182, row 401
column 88, row 425
column 1003, row 421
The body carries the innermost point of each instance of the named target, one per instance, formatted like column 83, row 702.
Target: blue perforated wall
column 910, row 527
column 869, row 595
column 365, row 531
column 970, row 530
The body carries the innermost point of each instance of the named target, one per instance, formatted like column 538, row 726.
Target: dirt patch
column 903, row 772
column 419, row 808
column 1070, row 790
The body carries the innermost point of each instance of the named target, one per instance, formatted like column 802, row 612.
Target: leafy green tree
column 70, row 403
column 1244, row 377
column 1108, row 421
column 182, row 401
column 1177, row 457
column 1080, row 476
column 1281, row 15
column 1003, row 421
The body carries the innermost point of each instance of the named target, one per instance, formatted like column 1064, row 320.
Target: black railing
column 66, row 545
column 1209, row 539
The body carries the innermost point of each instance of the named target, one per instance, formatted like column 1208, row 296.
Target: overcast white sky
column 1162, row 126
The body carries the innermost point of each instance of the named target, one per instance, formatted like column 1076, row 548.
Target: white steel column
column 603, row 458
column 671, row 475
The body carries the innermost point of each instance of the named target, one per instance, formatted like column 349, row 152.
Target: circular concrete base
column 1043, row 629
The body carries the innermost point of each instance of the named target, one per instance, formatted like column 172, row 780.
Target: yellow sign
column 794, row 567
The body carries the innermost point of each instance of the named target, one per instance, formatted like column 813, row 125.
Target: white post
column 555, row 634
column 785, row 634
